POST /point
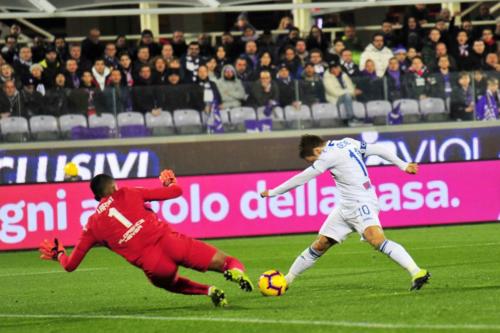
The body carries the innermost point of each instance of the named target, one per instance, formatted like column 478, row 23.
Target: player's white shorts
column 347, row 218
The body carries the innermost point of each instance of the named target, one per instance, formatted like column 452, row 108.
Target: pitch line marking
column 368, row 325
column 50, row 272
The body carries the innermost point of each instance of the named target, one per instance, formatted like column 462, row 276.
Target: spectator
column 338, row 46
column 230, row 88
column 249, row 34
column 84, row 100
column 143, row 58
column 206, row 49
column 7, row 73
column 100, row 72
column 419, row 12
column 37, row 73
column 15, row 30
column 167, row 53
column 207, row 92
column 125, row 68
column 23, row 63
column 394, row 80
column 443, row 30
column 174, row 96
column 487, row 105
column 401, row 55
column 242, row 22
column 288, row 94
column 444, row 15
column 489, row 40
column 11, row 103
column 91, row 45
column 61, row 48
column 478, row 54
column 221, row 57
column 462, row 99
column 144, row 95
column 378, row 53
column 412, row 34
column 369, row 87
column 213, row 71
column 491, row 65
column 351, row 41
column 442, row 51
column 32, row 99
column 461, row 51
column 191, row 62
column 316, row 58
column 429, row 49
column 416, row 81
column 339, row 88
column 301, row 51
column 51, row 65
column 179, row 44
column 285, row 23
column 311, row 89
column 293, row 62
column 147, row 40
column 2, row 60
column 110, row 59
column 442, row 82
column 75, row 53
column 71, row 74
column 265, row 64
column 263, row 91
column 391, row 39
column 251, row 54
column 116, row 96
column 484, row 14
column 242, row 71
column 9, row 50
column 159, row 66
column 317, row 40
column 290, row 40
column 121, row 44
column 231, row 47
column 266, row 42
column 57, row 98
column 38, row 49
column 348, row 65
column 480, row 84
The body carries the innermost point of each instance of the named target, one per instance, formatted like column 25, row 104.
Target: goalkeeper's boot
column 240, row 278
column 217, row 296
column 420, row 279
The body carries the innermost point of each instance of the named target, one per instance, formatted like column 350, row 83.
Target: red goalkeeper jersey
column 124, row 224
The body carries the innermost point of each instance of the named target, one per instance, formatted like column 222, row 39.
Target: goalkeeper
column 127, row 227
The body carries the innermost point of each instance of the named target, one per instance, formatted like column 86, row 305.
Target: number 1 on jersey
column 113, row 212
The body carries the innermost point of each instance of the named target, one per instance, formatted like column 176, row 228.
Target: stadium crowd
column 458, row 63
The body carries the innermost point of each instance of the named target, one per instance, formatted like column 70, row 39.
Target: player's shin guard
column 303, row 262
column 397, row 253
column 182, row 285
column 232, row 263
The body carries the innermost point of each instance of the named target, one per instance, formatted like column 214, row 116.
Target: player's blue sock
column 397, row 253
column 303, row 262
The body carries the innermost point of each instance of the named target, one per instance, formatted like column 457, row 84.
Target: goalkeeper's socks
column 182, row 285
column 397, row 253
column 303, row 262
column 232, row 263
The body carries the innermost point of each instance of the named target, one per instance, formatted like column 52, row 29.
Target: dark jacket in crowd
column 175, row 97
column 258, row 97
column 57, row 101
column 91, row 50
column 417, row 84
column 311, row 90
column 460, row 100
column 116, row 99
column 371, row 85
column 287, row 91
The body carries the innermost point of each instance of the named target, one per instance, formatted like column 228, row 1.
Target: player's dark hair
column 99, row 185
column 307, row 144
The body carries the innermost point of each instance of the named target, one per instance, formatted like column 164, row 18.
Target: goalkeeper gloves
column 167, row 177
column 51, row 250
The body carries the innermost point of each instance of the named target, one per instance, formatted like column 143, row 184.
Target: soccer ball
column 272, row 283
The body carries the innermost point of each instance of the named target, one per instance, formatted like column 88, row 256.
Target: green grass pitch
column 351, row 289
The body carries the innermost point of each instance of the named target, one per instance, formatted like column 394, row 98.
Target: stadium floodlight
column 43, row 5
column 210, row 3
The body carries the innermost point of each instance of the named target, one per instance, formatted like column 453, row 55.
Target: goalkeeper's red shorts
column 173, row 250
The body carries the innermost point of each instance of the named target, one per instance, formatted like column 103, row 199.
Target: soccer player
column 127, row 227
column 358, row 207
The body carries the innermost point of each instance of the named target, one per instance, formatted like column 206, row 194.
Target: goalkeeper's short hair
column 99, row 185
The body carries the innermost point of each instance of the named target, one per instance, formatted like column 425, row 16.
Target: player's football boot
column 240, row 278
column 218, row 297
column 420, row 279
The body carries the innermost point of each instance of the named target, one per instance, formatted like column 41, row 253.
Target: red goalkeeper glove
column 51, row 250
column 167, row 177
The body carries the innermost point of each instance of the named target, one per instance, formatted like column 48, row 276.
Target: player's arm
column 294, row 182
column 55, row 251
column 170, row 189
column 386, row 154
